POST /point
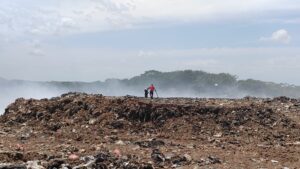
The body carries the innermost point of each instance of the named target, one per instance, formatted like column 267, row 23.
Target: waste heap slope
column 83, row 124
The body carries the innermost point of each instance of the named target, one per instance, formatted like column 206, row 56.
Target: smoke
column 11, row 90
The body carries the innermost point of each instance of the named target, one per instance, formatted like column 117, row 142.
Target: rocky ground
column 93, row 131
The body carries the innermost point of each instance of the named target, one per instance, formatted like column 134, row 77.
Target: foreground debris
column 78, row 130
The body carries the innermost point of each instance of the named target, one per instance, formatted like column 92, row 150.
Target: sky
column 90, row 40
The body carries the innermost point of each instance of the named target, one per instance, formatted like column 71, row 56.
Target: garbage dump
column 78, row 130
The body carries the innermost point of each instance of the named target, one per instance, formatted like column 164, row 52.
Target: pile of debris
column 79, row 130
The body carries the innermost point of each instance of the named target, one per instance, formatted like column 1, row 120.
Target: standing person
column 152, row 89
column 146, row 93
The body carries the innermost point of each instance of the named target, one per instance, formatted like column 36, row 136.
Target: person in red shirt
column 151, row 88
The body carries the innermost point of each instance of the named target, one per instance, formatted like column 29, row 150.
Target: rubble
column 73, row 157
column 12, row 166
column 213, row 160
column 153, row 143
column 157, row 156
column 34, row 165
column 79, row 130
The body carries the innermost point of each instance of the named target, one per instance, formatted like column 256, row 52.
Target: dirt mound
column 168, row 132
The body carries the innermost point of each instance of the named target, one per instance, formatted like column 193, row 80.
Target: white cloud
column 76, row 16
column 279, row 36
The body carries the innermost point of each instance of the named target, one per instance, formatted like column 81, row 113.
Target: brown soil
column 131, row 132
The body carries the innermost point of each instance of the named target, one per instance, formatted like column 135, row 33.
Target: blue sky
column 97, row 39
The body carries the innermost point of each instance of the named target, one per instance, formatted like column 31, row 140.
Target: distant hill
column 200, row 83
column 185, row 83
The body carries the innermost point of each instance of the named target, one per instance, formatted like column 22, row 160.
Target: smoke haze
column 185, row 83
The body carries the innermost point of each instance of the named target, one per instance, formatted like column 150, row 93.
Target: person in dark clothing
column 146, row 93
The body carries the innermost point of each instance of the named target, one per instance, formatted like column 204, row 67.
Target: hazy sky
column 89, row 40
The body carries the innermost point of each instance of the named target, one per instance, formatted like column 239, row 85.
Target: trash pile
column 78, row 130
